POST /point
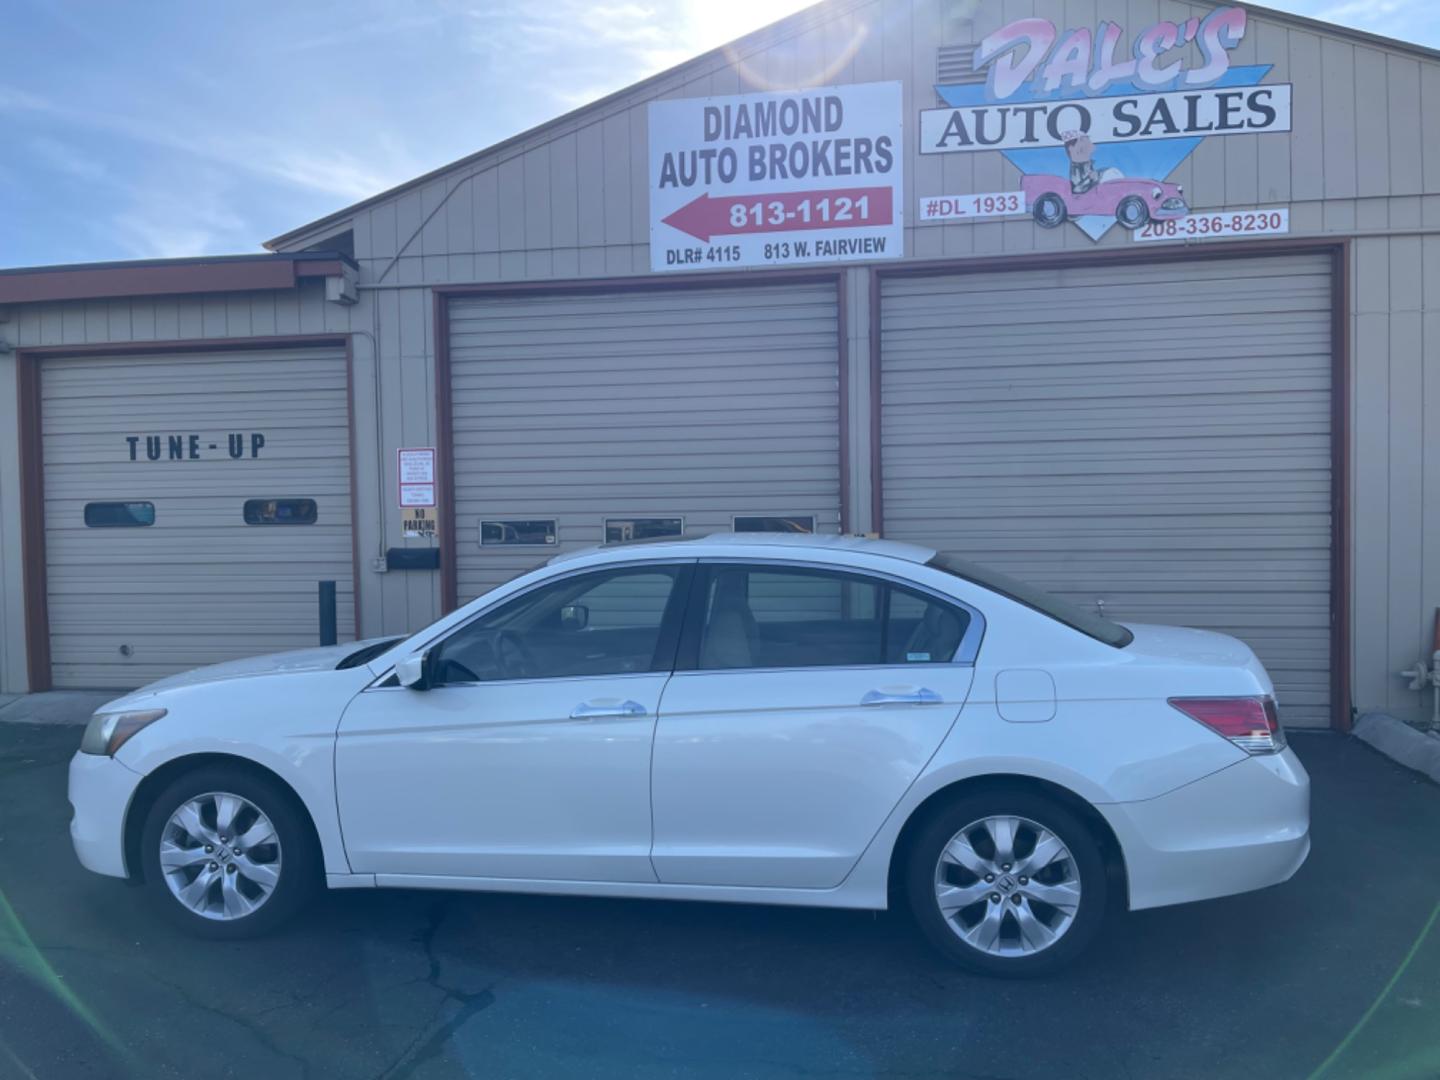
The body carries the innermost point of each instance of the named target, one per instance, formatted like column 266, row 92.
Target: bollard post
column 328, row 635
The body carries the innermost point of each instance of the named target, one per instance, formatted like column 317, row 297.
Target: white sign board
column 416, row 476
column 1217, row 223
column 973, row 207
column 1128, row 118
column 810, row 176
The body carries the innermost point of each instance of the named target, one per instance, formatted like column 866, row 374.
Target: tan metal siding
column 1156, row 437
column 571, row 200
column 693, row 403
column 199, row 586
column 1395, row 453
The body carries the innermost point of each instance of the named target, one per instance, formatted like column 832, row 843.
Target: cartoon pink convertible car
column 1133, row 202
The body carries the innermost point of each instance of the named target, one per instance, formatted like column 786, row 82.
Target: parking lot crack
column 430, row 1041
column 245, row 1023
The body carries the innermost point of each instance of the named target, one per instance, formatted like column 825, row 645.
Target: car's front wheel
column 1132, row 212
column 1049, row 210
column 228, row 853
column 1007, row 882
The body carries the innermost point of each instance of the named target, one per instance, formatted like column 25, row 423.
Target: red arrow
column 792, row 211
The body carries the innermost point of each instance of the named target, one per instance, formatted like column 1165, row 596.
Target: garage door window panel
column 281, row 512
column 119, row 515
column 612, row 623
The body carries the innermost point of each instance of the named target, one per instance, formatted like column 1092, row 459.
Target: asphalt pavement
column 1333, row 971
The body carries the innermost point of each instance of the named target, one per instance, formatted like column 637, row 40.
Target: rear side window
column 1063, row 611
column 783, row 617
column 281, row 512
column 119, row 515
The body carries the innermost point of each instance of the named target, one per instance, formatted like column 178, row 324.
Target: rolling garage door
column 192, row 504
column 652, row 411
column 1153, row 438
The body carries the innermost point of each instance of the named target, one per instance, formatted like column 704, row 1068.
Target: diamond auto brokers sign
column 777, row 179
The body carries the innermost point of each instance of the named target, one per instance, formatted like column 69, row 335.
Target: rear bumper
column 1243, row 828
column 100, row 793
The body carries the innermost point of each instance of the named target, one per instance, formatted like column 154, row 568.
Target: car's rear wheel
column 228, row 853
column 1049, row 210
column 1132, row 212
column 1007, row 882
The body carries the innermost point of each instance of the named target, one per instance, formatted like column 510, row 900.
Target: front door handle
column 607, row 707
column 919, row 695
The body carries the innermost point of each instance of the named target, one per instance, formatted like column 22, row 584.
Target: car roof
column 731, row 544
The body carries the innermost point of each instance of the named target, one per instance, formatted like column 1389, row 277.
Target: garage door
column 192, row 504
column 1153, row 439
column 628, row 415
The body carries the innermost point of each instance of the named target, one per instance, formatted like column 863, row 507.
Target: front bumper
column 100, row 793
column 1246, row 827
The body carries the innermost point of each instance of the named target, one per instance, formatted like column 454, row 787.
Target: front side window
column 783, row 617
column 605, row 623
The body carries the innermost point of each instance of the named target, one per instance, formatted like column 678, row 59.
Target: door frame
column 29, row 364
column 445, row 405
column 1340, row 363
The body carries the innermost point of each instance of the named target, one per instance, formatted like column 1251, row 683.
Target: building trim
column 167, row 277
column 444, row 404
column 1340, row 481
column 354, row 482
column 1341, row 654
column 28, row 363
column 445, row 467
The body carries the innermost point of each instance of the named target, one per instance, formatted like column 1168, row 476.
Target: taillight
column 1251, row 723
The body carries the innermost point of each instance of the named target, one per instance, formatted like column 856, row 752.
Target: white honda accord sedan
column 817, row 721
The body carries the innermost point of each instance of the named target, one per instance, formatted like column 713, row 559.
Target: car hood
column 325, row 658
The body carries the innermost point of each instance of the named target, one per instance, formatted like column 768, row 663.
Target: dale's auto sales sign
column 777, row 179
column 1087, row 106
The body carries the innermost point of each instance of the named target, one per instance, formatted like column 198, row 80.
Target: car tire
column 1072, row 875
column 1049, row 211
column 1132, row 212
column 267, row 885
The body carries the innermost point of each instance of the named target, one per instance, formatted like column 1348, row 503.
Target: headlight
column 107, row 732
column 1158, row 192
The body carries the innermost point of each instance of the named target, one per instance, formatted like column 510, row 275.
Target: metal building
column 1142, row 304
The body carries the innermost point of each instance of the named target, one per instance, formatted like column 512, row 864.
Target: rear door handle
column 920, row 695
column 607, row 707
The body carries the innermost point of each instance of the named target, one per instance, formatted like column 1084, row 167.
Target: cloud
column 1362, row 10
column 587, row 50
column 63, row 158
column 367, row 27
column 339, row 173
column 175, row 220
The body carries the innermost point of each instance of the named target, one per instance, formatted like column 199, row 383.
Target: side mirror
column 413, row 671
column 574, row 617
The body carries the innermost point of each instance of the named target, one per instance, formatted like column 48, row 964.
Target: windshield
column 1072, row 615
column 368, row 653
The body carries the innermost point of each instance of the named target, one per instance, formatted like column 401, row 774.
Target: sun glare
column 717, row 22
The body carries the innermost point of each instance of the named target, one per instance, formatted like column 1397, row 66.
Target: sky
column 169, row 128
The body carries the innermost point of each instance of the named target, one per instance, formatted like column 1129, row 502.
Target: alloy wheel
column 220, row 856
column 1007, row 886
